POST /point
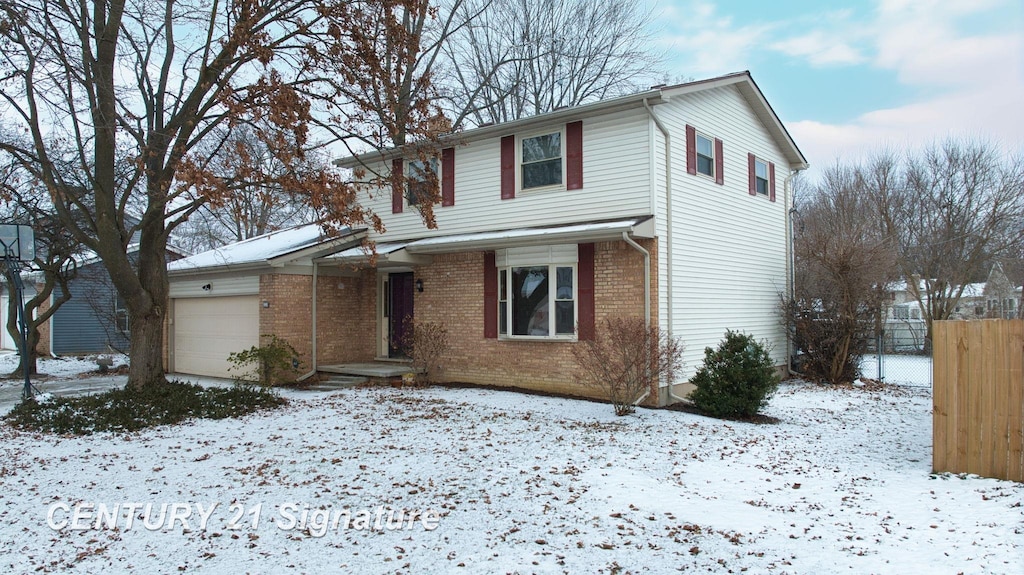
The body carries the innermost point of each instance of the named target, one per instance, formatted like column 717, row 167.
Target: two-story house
column 672, row 205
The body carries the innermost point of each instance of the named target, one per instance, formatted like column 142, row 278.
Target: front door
column 400, row 300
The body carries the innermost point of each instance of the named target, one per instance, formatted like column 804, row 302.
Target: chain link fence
column 898, row 356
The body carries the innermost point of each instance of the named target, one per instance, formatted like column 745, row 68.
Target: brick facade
column 453, row 294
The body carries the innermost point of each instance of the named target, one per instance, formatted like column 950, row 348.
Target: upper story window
column 421, row 179
column 761, row 177
column 541, row 161
column 705, row 155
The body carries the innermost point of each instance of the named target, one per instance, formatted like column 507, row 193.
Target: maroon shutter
column 448, row 177
column 508, row 167
column 691, row 150
column 490, row 296
column 574, row 156
column 719, row 163
column 751, row 174
column 585, row 278
column 396, row 186
column 771, row 181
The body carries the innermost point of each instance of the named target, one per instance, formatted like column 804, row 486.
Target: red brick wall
column 453, row 295
column 346, row 318
column 289, row 314
column 43, row 347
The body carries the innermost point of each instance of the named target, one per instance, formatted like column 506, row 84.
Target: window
column 420, row 180
column 761, row 177
column 121, row 322
column 537, row 292
column 541, row 161
column 705, row 155
column 543, row 302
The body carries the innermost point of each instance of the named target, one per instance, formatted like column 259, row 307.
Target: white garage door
column 207, row 329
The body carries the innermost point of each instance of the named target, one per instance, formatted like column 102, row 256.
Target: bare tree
column 134, row 87
column 950, row 211
column 843, row 263
column 53, row 267
column 626, row 360
column 251, row 204
column 517, row 58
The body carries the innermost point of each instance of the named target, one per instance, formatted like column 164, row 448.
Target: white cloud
column 820, row 49
column 712, row 43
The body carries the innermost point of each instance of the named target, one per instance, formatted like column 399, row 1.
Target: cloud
column 820, row 49
column 712, row 42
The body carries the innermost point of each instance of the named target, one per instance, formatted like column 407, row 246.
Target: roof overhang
column 420, row 252
column 742, row 80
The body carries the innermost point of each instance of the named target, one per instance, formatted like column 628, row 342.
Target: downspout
column 312, row 370
column 668, row 229
column 790, row 263
column 647, row 292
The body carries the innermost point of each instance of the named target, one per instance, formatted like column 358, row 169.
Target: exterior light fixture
column 419, row 286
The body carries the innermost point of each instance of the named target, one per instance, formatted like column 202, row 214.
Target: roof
column 743, row 80
column 261, row 250
column 413, row 250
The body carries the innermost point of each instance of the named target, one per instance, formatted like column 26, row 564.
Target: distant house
column 905, row 326
column 670, row 205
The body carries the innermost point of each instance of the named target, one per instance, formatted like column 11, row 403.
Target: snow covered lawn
column 522, row 484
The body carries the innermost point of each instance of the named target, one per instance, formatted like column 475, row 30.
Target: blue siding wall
column 85, row 323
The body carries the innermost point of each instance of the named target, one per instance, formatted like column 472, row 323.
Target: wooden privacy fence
column 978, row 417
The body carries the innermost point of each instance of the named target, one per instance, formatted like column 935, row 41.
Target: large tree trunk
column 146, row 349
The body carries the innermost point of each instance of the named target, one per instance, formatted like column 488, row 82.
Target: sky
column 852, row 78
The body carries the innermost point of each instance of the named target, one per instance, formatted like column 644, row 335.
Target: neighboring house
column 671, row 205
column 95, row 319
column 7, row 342
column 905, row 327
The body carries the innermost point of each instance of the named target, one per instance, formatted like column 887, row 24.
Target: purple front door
column 401, row 288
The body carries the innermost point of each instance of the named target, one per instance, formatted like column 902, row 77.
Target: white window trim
column 697, row 154
column 519, row 160
column 552, row 293
column 767, row 177
column 407, row 167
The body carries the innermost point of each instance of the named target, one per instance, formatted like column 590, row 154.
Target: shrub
column 275, row 362
column 626, row 359
column 736, row 380
column 426, row 343
column 132, row 409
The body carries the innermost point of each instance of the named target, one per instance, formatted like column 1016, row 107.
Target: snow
column 523, row 484
column 255, row 250
column 61, row 367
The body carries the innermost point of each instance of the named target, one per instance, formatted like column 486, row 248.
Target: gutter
column 668, row 230
column 312, row 371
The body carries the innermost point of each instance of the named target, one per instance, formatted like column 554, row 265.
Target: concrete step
column 340, row 382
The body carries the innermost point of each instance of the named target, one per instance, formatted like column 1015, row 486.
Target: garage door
column 207, row 329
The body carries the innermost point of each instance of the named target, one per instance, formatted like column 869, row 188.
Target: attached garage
column 207, row 330
column 210, row 320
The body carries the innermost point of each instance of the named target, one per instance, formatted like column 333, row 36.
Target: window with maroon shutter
column 448, row 177
column 397, row 188
column 587, row 310
column 574, row 156
column 691, row 150
column 508, row 167
column 759, row 174
column 490, row 296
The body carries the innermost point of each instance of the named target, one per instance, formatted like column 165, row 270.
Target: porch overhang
column 421, row 252
column 384, row 255
column 572, row 234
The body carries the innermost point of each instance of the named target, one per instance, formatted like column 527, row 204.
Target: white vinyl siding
column 616, row 184
column 724, row 275
column 218, row 286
